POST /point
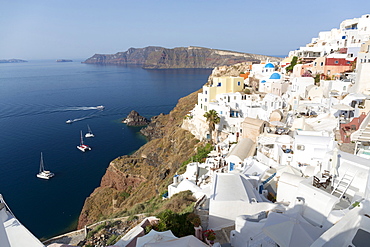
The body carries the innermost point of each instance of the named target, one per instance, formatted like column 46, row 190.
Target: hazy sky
column 54, row 29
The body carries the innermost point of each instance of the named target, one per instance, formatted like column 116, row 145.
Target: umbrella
column 154, row 237
column 290, row 230
column 343, row 107
column 187, row 241
column 334, row 163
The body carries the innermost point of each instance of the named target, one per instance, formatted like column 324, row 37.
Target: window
column 232, row 166
column 205, row 92
column 219, row 84
column 336, row 62
column 315, row 63
column 348, row 62
column 220, row 112
column 300, row 147
column 205, row 108
column 205, row 100
column 322, row 64
column 238, row 83
column 344, row 88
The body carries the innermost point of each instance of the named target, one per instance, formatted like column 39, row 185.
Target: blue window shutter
column 232, row 166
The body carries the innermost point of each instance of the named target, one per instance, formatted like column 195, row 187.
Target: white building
column 351, row 34
column 362, row 83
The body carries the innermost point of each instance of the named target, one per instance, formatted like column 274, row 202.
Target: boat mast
column 41, row 164
column 82, row 141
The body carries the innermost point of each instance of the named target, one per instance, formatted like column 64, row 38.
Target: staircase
column 343, row 184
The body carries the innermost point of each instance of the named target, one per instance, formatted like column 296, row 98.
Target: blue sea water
column 36, row 99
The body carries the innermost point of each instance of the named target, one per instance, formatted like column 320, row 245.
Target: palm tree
column 212, row 119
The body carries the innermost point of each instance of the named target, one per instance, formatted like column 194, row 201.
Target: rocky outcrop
column 154, row 57
column 133, row 179
column 134, row 119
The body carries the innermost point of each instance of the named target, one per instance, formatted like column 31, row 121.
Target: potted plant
column 210, row 236
column 195, row 220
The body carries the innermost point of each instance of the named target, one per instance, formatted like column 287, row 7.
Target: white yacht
column 82, row 146
column 89, row 133
column 43, row 173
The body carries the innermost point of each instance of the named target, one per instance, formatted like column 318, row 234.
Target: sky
column 77, row 29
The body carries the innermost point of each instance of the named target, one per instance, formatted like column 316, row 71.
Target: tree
column 212, row 119
column 292, row 64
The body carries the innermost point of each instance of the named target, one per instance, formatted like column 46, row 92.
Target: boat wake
column 20, row 110
column 82, row 108
column 69, row 121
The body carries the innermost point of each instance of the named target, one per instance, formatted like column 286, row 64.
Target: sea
column 36, row 100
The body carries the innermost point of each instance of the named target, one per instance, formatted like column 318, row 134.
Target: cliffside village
column 291, row 163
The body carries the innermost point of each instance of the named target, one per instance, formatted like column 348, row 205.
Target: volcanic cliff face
column 133, row 179
column 153, row 57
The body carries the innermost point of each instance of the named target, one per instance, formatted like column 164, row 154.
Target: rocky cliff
column 134, row 119
column 133, row 179
column 153, row 57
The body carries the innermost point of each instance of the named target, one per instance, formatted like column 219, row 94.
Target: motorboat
column 100, row 107
column 83, row 147
column 69, row 121
column 89, row 133
column 43, row 173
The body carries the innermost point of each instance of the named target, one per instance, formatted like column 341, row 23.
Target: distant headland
column 64, row 60
column 12, row 61
column 154, row 57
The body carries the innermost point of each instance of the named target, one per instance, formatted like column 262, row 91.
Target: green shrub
column 177, row 223
column 95, row 230
column 133, row 217
column 112, row 239
column 201, row 155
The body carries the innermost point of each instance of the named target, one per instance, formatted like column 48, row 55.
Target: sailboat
column 82, row 146
column 43, row 173
column 89, row 133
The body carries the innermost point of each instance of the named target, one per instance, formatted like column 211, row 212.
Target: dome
column 275, row 76
column 263, row 81
column 269, row 65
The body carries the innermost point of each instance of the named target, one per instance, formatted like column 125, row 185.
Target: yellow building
column 219, row 85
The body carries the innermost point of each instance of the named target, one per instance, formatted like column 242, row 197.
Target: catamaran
column 89, row 133
column 43, row 173
column 82, row 146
